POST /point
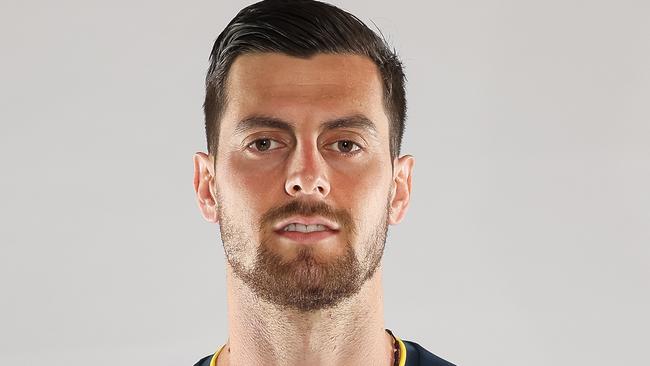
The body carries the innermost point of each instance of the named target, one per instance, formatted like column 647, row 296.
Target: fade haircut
column 301, row 28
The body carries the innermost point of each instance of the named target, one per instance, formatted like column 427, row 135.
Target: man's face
column 303, row 185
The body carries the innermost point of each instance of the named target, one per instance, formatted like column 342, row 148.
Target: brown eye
column 345, row 146
column 261, row 145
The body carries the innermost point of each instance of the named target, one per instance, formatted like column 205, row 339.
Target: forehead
column 322, row 87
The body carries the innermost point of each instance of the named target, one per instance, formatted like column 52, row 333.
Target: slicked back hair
column 301, row 28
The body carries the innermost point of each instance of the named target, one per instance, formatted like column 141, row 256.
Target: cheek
column 365, row 193
column 361, row 182
column 249, row 186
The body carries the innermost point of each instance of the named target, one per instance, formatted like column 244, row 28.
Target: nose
column 306, row 173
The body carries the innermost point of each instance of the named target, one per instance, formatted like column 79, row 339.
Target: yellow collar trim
column 402, row 353
column 213, row 361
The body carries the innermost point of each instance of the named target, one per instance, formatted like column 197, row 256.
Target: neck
column 350, row 333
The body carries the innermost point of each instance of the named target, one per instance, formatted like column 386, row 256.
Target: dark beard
column 306, row 282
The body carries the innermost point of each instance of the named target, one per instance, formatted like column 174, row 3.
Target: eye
column 264, row 144
column 345, row 146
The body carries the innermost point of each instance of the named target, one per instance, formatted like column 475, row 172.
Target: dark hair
column 301, row 28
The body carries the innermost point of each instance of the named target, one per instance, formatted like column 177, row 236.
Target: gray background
column 527, row 242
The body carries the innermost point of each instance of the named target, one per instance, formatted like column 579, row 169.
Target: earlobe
column 203, row 186
column 402, row 183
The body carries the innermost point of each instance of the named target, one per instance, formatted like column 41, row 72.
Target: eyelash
column 344, row 153
column 348, row 153
column 252, row 143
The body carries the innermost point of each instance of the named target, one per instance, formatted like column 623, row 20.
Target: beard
column 307, row 281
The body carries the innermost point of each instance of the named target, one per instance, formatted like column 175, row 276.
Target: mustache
column 308, row 208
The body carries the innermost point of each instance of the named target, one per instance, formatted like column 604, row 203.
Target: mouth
column 306, row 229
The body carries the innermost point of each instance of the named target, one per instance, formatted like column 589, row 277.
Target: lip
column 332, row 229
column 306, row 238
column 306, row 220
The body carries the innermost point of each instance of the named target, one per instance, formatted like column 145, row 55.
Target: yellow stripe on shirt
column 213, row 361
column 402, row 352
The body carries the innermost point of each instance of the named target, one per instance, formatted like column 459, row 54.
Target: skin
column 307, row 164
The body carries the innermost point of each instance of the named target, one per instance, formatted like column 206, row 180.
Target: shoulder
column 205, row 361
column 416, row 355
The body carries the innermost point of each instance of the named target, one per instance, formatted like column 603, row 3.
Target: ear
column 204, row 185
column 401, row 193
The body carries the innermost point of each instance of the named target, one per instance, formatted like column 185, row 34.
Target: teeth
column 305, row 228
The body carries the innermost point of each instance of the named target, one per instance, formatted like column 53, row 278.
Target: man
column 304, row 114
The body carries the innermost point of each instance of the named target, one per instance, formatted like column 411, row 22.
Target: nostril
column 296, row 188
column 320, row 189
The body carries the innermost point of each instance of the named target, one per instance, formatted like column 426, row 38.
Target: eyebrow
column 356, row 121
column 254, row 122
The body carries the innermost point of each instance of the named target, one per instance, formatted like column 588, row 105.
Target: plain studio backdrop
column 528, row 237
